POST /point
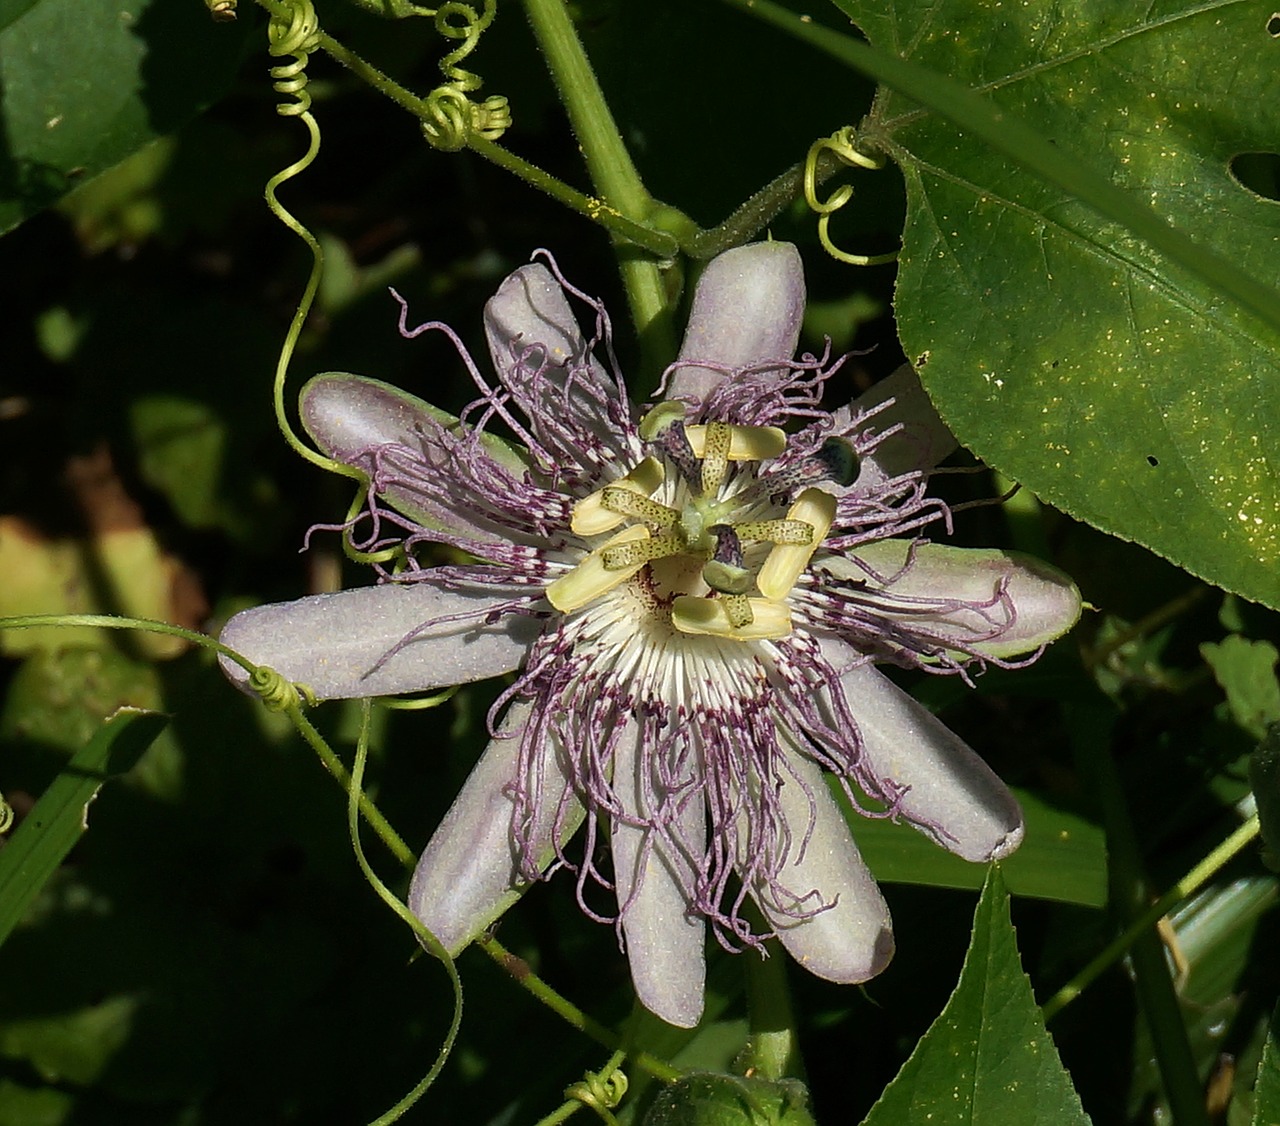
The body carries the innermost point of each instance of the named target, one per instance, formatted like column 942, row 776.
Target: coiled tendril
column 451, row 115
column 6, row 815
column 601, row 1090
column 298, row 36
column 279, row 694
column 222, row 11
column 841, row 144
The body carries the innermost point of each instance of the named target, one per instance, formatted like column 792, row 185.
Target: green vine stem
column 520, row 970
column 659, row 243
column 291, row 705
column 612, row 172
column 294, row 31
column 773, row 1050
column 1183, row 889
column 355, row 792
column 1153, row 985
column 622, row 226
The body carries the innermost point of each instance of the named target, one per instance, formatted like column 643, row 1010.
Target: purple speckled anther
column 693, row 600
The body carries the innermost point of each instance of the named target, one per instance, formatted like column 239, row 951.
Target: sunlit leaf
column 1266, row 1107
column 1246, row 671
column 121, row 570
column 1062, row 857
column 1133, row 389
column 988, row 1057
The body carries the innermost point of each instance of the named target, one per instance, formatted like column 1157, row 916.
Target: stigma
column 692, row 509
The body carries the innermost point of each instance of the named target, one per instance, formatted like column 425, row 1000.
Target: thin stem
column 612, row 172
column 772, row 1047
column 1155, row 990
column 519, row 969
column 1158, row 617
column 561, row 1114
column 304, row 302
column 608, row 161
column 355, row 791
column 1184, row 888
column 371, row 813
column 754, row 215
column 659, row 243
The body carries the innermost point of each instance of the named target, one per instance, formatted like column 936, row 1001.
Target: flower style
column 693, row 602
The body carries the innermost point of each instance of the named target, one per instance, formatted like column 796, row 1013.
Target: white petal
column 665, row 941
column 746, row 311
column 951, row 794
column 349, row 414
column 530, row 308
column 468, row 875
column 924, row 439
column 1044, row 601
column 852, row 940
column 337, row 644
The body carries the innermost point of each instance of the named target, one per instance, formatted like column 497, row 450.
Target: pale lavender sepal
column 340, row 645
column 921, row 443
column 939, row 590
column 349, row 415
column 530, row 311
column 665, row 941
column 852, row 940
column 746, row 311
column 948, row 792
column 469, row 875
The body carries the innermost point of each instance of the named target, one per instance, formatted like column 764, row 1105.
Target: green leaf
column 1063, row 857
column 181, row 445
column 45, row 836
column 1246, row 671
column 1266, row 1107
column 988, row 1057
column 727, row 1100
column 1065, row 324
column 84, row 83
column 1264, row 778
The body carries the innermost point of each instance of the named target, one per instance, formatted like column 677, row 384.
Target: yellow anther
column 776, row 531
column 713, row 617
column 591, row 578
column 787, row 561
column 715, row 456
column 628, row 556
column 629, row 503
column 591, row 518
column 746, row 443
column 737, row 608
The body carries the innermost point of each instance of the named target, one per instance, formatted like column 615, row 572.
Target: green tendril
column 451, row 118
column 7, row 816
column 418, row 703
column 294, row 30
column 601, row 1090
column 222, row 11
column 355, row 796
column 277, row 693
column 349, row 549
column 842, row 145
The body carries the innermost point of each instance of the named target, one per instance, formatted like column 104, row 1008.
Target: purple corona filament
column 693, row 599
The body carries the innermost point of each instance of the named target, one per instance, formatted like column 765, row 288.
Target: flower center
column 715, row 531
